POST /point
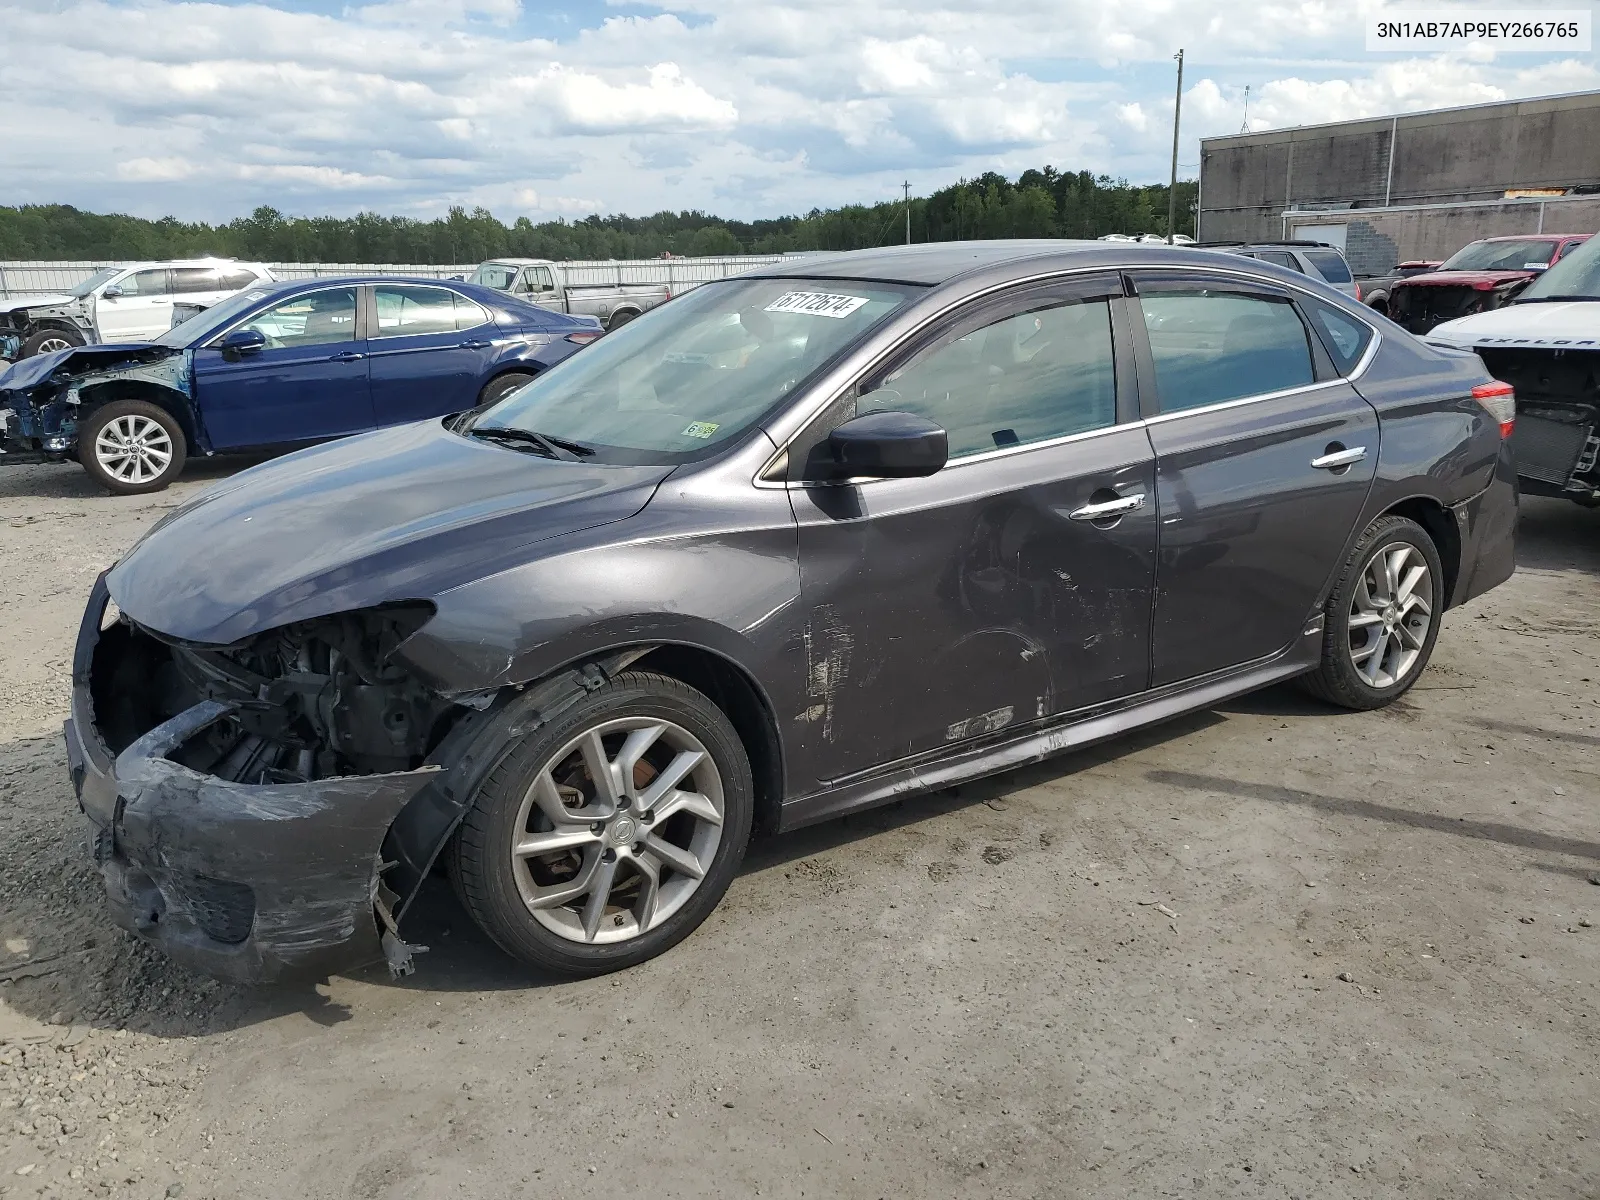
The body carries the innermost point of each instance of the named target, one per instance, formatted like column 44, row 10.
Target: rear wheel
column 131, row 446
column 48, row 341
column 620, row 318
column 501, row 386
column 605, row 838
column 1381, row 622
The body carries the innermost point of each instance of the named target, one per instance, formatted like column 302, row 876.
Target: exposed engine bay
column 1557, row 435
column 315, row 700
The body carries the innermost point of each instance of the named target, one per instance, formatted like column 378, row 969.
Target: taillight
column 1499, row 400
column 584, row 336
column 1358, row 293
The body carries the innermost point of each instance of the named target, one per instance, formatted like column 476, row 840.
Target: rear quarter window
column 1345, row 338
column 1330, row 265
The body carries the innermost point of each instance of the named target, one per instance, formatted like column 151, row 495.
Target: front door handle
column 1339, row 458
column 1107, row 509
column 347, row 356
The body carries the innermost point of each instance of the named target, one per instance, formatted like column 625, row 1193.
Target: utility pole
column 1172, row 191
column 907, row 186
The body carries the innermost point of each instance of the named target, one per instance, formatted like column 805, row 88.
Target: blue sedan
column 279, row 366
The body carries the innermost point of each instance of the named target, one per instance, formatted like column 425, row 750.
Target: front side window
column 1045, row 372
column 406, row 311
column 144, row 283
column 540, row 280
column 1213, row 346
column 698, row 372
column 317, row 319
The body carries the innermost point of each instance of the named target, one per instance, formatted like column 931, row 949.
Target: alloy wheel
column 52, row 344
column 617, row 830
column 133, row 448
column 1390, row 615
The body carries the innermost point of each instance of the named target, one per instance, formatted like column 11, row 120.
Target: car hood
column 78, row 361
column 22, row 302
column 404, row 513
column 1560, row 323
column 1465, row 278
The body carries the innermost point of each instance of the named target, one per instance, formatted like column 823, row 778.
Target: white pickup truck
column 544, row 282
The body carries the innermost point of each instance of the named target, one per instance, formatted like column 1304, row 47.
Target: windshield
column 495, row 275
column 1519, row 254
column 95, row 280
column 1575, row 277
column 698, row 371
column 208, row 321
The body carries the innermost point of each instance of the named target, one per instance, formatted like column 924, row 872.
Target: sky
column 744, row 108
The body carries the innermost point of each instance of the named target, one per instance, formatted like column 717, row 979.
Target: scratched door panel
column 951, row 607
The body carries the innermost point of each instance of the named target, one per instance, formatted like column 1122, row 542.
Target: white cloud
column 746, row 107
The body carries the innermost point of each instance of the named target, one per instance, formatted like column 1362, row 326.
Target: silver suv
column 1316, row 259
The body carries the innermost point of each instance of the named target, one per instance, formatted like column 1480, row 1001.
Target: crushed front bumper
column 251, row 883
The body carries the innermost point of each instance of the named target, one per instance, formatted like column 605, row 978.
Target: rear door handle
column 473, row 345
column 347, row 356
column 1339, row 458
column 1108, row 508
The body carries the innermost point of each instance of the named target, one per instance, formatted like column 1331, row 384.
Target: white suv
column 129, row 303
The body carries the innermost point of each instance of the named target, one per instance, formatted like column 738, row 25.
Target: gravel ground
column 1269, row 949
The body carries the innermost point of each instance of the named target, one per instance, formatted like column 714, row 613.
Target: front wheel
column 48, row 341
column 130, row 447
column 1382, row 619
column 606, row 837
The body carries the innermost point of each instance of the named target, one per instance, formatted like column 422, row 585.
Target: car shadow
column 1558, row 535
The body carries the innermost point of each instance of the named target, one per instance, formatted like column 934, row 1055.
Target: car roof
column 1534, row 237
column 477, row 291
column 186, row 262
column 939, row 262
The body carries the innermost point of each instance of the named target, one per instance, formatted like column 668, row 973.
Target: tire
column 501, row 386
column 130, row 447
column 1373, row 648
column 620, row 318
column 47, row 341
column 541, row 908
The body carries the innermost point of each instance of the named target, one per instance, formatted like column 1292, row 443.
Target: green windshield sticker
column 701, row 429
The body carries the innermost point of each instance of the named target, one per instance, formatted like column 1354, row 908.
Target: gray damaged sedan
column 795, row 544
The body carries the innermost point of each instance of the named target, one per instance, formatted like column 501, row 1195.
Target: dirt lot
column 1271, row 949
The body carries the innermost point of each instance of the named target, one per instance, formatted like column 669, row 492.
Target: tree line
column 1038, row 203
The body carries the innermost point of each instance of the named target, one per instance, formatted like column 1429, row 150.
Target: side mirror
column 888, row 445
column 244, row 341
column 110, row 292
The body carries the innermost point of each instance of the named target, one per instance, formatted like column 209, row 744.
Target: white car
column 1546, row 345
column 128, row 303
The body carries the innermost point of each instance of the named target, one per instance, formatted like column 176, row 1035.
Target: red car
column 1480, row 276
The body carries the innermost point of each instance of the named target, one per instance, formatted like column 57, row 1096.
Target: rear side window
column 1279, row 258
column 1345, row 337
column 405, row 311
column 1330, row 264
column 236, row 279
column 1210, row 347
column 194, row 280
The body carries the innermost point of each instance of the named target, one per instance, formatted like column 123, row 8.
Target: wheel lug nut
column 597, row 827
column 608, row 856
column 647, row 816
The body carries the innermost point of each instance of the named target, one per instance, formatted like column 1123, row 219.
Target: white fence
column 31, row 278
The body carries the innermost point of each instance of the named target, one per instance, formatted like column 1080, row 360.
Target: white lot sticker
column 818, row 304
column 701, row 429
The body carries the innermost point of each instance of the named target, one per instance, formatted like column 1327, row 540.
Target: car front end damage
column 1422, row 302
column 41, row 398
column 268, row 810
column 21, row 319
